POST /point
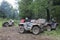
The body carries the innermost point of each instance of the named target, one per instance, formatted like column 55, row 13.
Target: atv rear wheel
column 48, row 28
column 21, row 29
column 35, row 30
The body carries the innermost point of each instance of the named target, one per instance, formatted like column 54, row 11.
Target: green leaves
column 24, row 8
column 30, row 8
column 37, row 8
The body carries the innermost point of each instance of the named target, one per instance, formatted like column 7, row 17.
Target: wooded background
column 37, row 8
column 31, row 8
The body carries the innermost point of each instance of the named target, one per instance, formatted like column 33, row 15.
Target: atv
column 36, row 27
column 8, row 24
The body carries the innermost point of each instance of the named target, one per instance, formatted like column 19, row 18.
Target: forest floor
column 11, row 33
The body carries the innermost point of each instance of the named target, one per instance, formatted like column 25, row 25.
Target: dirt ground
column 11, row 33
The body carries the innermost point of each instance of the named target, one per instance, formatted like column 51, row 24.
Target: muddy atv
column 36, row 27
column 48, row 25
column 33, row 27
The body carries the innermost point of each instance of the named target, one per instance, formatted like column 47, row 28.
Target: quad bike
column 54, row 25
column 36, row 27
column 32, row 27
column 7, row 24
column 50, row 26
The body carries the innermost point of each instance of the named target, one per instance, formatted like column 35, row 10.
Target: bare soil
column 11, row 33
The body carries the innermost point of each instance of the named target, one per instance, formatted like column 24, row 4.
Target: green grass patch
column 16, row 22
column 2, row 21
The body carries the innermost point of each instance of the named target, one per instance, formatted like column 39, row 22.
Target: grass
column 54, row 33
column 2, row 21
column 16, row 22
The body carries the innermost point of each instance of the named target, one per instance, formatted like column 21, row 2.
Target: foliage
column 24, row 8
column 57, row 13
column 37, row 8
column 7, row 11
column 56, row 2
column 6, row 8
column 29, row 8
